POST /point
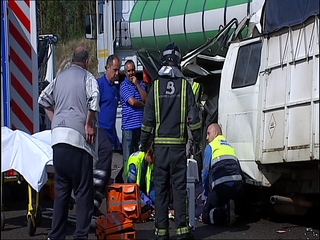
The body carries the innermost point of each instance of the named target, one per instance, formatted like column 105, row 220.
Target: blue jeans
column 130, row 143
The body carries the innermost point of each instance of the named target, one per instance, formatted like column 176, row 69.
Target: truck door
column 105, row 32
column 238, row 102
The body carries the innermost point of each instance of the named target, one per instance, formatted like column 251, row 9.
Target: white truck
column 269, row 104
column 258, row 62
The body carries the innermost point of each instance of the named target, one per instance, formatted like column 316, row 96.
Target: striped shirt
column 66, row 134
column 131, row 116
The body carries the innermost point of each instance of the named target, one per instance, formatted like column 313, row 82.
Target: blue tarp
column 287, row 13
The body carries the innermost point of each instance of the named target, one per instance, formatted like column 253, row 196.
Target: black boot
column 185, row 236
column 166, row 237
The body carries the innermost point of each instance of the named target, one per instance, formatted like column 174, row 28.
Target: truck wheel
column 2, row 220
column 31, row 227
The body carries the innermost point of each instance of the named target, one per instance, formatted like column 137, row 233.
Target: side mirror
column 91, row 26
column 54, row 39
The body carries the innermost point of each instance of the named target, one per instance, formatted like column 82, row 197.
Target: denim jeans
column 130, row 143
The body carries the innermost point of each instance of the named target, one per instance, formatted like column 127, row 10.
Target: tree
column 64, row 18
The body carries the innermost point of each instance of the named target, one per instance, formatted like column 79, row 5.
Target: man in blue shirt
column 107, row 135
column 109, row 100
column 133, row 97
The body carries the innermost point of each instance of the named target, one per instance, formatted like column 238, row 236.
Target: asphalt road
column 250, row 225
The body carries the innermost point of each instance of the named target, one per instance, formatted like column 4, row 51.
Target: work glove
column 196, row 134
column 196, row 148
column 147, row 200
column 142, row 147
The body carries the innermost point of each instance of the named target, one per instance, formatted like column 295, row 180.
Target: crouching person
column 221, row 178
column 139, row 170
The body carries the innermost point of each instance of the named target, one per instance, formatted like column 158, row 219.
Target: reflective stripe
column 159, row 140
column 195, row 88
column 149, row 178
column 169, row 52
column 146, row 128
column 157, row 105
column 226, row 179
column 183, row 230
column 133, row 177
column 224, row 157
column 96, row 203
column 161, row 231
column 211, row 215
column 196, row 92
column 100, row 173
column 195, row 126
column 97, row 182
column 113, row 204
column 22, row 51
column 183, row 116
column 117, row 222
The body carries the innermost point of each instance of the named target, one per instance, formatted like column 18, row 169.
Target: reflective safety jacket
column 224, row 165
column 136, row 174
column 169, row 108
column 196, row 91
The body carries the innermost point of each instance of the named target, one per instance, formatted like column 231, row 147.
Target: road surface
column 252, row 225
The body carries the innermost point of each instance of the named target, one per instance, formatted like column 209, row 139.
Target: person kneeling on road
column 139, row 169
column 221, row 179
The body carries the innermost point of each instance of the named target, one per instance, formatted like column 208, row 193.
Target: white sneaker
column 211, row 215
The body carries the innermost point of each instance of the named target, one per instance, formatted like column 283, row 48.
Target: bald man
column 221, row 179
column 71, row 102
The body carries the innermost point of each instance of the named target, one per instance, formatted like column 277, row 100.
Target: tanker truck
column 258, row 63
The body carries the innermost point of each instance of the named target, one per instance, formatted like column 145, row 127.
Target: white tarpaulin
column 27, row 154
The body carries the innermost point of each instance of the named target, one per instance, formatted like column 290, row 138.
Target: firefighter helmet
column 171, row 55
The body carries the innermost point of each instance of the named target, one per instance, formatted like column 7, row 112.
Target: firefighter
column 169, row 108
column 139, row 170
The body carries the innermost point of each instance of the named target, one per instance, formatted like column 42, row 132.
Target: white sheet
column 27, row 154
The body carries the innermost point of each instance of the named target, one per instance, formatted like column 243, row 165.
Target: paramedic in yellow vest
column 221, row 179
column 139, row 169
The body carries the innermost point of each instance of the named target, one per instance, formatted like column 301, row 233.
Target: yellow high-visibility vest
column 137, row 159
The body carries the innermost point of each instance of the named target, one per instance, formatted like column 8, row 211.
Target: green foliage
column 64, row 18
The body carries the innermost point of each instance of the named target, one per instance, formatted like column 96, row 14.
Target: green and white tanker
column 188, row 23
column 141, row 29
